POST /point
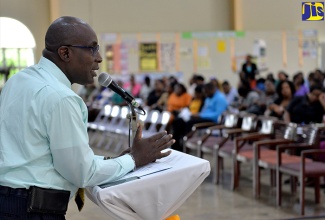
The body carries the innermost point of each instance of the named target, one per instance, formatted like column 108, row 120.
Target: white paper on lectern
column 148, row 169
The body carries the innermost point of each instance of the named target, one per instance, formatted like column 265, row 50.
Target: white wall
column 35, row 14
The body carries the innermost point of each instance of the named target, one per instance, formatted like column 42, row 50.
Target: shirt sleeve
column 72, row 156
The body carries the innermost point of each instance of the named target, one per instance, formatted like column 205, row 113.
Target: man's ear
column 64, row 53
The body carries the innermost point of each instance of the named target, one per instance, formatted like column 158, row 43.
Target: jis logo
column 312, row 11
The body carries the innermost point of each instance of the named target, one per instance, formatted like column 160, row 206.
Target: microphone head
column 104, row 79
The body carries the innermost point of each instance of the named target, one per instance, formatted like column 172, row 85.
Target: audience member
column 266, row 98
column 178, row 99
column 285, row 91
column 146, row 88
column 155, row 95
column 230, row 92
column 299, row 82
column 216, row 83
column 250, row 70
column 194, row 82
column 198, row 100
column 132, row 87
column 282, row 76
column 247, row 97
column 215, row 104
column 307, row 109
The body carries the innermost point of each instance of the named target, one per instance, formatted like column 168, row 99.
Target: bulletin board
column 212, row 54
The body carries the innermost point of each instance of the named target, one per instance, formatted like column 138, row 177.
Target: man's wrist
column 135, row 165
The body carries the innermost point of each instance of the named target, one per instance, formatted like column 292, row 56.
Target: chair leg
column 216, row 164
column 302, row 195
column 317, row 190
column 234, row 174
column 278, row 187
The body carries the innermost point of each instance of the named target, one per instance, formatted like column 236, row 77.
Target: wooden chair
column 222, row 146
column 307, row 165
column 243, row 148
column 264, row 155
column 191, row 140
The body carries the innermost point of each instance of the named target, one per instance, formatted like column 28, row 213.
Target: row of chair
column 263, row 142
column 112, row 126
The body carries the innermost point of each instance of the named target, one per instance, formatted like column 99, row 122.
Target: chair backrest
column 151, row 121
column 284, row 130
column 230, row 120
column 114, row 116
column 163, row 120
column 104, row 112
column 265, row 124
column 248, row 122
column 309, row 134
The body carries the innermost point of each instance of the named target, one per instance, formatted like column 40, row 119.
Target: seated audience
column 282, row 76
column 178, row 99
column 285, row 91
column 230, row 92
column 299, row 81
column 132, row 87
column 194, row 82
column 155, row 95
column 146, row 88
column 197, row 101
column 215, row 104
column 247, row 97
column 307, row 109
column 266, row 98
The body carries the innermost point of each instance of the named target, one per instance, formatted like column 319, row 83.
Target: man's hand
column 146, row 150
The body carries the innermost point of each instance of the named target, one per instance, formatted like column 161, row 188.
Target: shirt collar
column 53, row 69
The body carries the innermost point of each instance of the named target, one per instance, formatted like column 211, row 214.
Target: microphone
column 105, row 80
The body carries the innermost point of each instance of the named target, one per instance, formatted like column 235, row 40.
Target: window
column 16, row 47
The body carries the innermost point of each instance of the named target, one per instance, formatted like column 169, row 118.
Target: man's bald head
column 64, row 31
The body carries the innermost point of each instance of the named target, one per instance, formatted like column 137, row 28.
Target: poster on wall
column 109, row 58
column 203, row 58
column 148, row 56
column 167, row 57
column 259, row 54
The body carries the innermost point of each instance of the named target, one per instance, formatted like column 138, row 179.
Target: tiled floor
column 214, row 202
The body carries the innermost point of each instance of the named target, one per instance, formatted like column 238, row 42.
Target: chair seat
column 312, row 168
column 271, row 161
column 264, row 153
column 211, row 143
column 192, row 142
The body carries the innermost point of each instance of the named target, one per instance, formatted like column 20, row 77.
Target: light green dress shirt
column 43, row 134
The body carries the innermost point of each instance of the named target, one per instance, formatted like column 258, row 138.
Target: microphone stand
column 132, row 124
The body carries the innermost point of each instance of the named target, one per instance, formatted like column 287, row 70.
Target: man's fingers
column 163, row 140
column 157, row 136
column 165, row 154
column 166, row 145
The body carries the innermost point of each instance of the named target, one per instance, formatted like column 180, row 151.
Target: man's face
column 226, row 88
column 314, row 95
column 84, row 61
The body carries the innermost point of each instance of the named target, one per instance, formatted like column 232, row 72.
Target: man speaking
column 44, row 152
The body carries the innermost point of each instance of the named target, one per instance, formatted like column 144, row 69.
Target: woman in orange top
column 178, row 99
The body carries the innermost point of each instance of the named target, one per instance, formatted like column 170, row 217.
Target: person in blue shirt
column 215, row 104
column 43, row 129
